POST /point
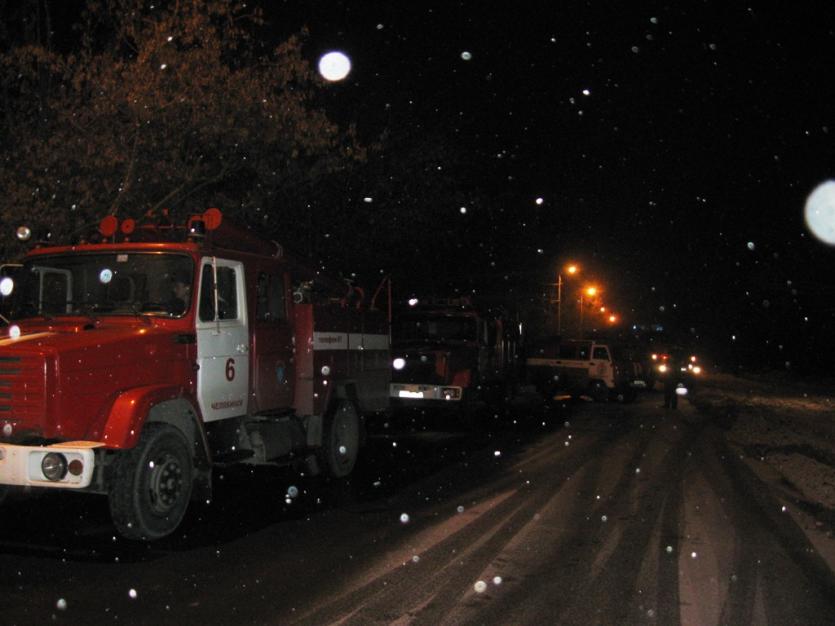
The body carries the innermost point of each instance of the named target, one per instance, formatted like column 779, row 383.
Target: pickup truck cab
column 580, row 368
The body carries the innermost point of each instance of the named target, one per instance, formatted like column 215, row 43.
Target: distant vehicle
column 689, row 365
column 581, row 367
column 448, row 353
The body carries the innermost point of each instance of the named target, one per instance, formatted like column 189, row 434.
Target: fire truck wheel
column 341, row 440
column 151, row 484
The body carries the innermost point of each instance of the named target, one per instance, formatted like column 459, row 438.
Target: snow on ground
column 785, row 430
column 788, row 425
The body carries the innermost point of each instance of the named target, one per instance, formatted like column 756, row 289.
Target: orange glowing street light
column 591, row 291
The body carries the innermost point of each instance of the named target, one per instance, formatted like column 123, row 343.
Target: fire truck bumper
column 66, row 465
column 415, row 391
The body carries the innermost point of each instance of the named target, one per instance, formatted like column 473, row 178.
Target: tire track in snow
column 447, row 570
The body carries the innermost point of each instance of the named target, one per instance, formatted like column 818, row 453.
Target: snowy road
column 620, row 514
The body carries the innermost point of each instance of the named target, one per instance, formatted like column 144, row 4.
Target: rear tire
column 599, row 391
column 341, row 440
column 151, row 484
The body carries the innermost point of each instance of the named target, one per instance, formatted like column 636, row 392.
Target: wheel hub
column 165, row 483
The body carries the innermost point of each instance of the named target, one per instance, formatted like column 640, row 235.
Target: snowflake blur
column 820, row 212
column 334, row 66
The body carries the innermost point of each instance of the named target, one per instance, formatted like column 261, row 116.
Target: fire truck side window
column 270, row 302
column 227, row 294
column 207, row 303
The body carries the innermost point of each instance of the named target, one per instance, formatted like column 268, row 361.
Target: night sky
column 673, row 145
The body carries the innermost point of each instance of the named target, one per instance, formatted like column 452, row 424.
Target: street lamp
column 590, row 291
column 570, row 269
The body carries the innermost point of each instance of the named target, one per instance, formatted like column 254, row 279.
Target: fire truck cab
column 449, row 354
column 134, row 364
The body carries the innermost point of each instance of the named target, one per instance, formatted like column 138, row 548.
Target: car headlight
column 697, row 369
column 662, row 368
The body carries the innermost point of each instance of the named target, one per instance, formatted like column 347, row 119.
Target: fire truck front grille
column 22, row 389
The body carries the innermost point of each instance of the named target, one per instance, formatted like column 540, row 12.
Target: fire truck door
column 222, row 340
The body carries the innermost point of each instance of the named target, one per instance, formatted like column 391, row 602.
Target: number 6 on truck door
column 222, row 340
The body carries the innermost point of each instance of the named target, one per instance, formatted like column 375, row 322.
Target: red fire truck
column 448, row 354
column 134, row 364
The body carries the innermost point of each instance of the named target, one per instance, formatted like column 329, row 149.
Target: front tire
column 341, row 440
column 151, row 484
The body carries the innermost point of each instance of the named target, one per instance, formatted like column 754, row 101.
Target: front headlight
column 398, row 363
column 54, row 466
column 697, row 369
column 662, row 368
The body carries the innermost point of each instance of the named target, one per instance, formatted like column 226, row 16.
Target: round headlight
column 24, row 233
column 54, row 466
column 326, row 370
column 398, row 363
column 697, row 370
column 662, row 368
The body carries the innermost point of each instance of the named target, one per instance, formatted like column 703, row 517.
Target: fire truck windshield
column 436, row 328
column 114, row 283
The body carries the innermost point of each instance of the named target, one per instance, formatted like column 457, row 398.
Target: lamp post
column 570, row 269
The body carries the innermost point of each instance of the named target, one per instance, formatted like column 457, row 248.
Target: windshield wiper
column 135, row 309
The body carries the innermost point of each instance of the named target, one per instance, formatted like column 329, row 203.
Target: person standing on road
column 671, row 381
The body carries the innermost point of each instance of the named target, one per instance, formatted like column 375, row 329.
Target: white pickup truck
column 580, row 367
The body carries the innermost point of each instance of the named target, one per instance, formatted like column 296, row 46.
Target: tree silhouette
column 168, row 105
